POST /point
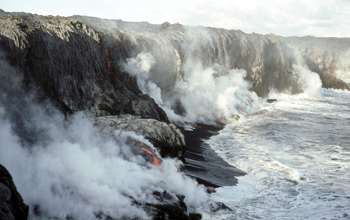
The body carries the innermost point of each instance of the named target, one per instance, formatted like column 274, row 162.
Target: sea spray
column 296, row 154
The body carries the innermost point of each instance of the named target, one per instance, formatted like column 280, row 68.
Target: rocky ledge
column 167, row 138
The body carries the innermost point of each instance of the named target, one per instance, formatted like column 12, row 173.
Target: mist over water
column 296, row 154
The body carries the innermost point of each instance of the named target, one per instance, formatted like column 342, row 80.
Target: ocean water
column 296, row 153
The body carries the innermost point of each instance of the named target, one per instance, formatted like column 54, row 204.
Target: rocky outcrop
column 11, row 202
column 73, row 65
column 167, row 138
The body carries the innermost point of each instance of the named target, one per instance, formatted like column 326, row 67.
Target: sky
column 319, row 18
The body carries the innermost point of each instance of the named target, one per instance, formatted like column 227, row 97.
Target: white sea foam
column 296, row 154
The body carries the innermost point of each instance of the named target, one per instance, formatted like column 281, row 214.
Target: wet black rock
column 168, row 210
column 170, row 207
column 218, row 206
column 11, row 202
column 271, row 100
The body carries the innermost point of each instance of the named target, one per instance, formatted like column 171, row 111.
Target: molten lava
column 250, row 98
column 193, row 125
column 223, row 120
column 209, row 189
column 125, row 46
column 109, row 60
column 156, row 161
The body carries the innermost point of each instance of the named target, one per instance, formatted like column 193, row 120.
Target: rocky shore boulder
column 167, row 138
column 12, row 206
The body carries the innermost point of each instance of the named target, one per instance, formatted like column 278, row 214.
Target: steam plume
column 67, row 168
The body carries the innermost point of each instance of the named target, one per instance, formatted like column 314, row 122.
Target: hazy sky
column 322, row 18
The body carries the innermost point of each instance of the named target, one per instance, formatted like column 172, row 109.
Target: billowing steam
column 66, row 168
column 205, row 94
column 309, row 82
column 140, row 67
column 343, row 71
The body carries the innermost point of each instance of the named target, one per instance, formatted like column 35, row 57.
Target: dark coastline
column 202, row 163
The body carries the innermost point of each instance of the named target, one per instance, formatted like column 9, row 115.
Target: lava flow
column 125, row 46
column 193, row 125
column 109, row 60
column 156, row 161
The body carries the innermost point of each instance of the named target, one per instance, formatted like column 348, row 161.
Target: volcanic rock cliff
column 267, row 59
column 73, row 65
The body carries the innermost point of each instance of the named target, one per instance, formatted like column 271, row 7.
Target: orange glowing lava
column 125, row 45
column 156, row 161
column 191, row 124
column 209, row 189
column 223, row 120
column 109, row 60
column 250, row 98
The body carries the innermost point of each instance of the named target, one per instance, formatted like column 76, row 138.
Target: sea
column 296, row 156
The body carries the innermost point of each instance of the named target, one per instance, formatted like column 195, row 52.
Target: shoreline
column 202, row 163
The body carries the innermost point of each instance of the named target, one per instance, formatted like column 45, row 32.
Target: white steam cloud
column 343, row 71
column 309, row 81
column 140, row 67
column 206, row 94
column 209, row 94
column 66, row 168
